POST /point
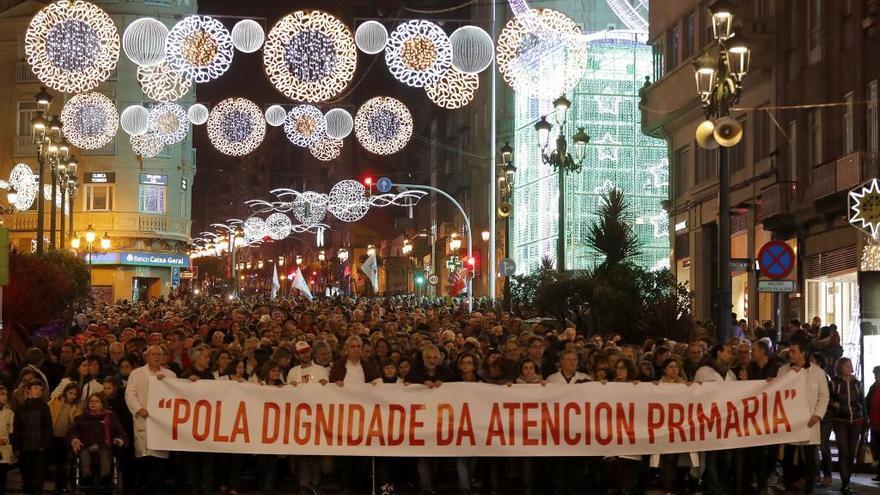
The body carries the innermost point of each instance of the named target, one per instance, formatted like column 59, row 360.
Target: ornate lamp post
column 506, row 180
column 88, row 241
column 719, row 86
column 562, row 162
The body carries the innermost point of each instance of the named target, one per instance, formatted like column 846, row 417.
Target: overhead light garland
column 278, row 226
column 198, row 114
column 339, row 123
column 161, row 83
column 383, row 125
column 472, row 49
column 26, row 184
column 135, row 120
column 89, row 120
column 310, row 207
column 169, row 122
column 144, row 41
column 310, row 56
column 248, row 36
column 72, row 46
column 236, row 126
column 275, row 115
column 146, row 145
column 305, row 125
column 348, row 201
column 371, row 37
column 418, row 53
column 454, row 90
column 326, row 149
column 254, row 229
column 199, row 48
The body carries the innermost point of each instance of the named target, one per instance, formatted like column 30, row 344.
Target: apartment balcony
column 775, row 209
column 832, row 180
column 108, row 149
column 24, row 146
column 24, row 74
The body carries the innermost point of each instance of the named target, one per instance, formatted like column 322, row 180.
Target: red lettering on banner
column 302, row 427
column 496, row 429
column 690, row 418
column 375, row 430
column 511, row 408
column 240, row 425
column 764, row 412
column 750, row 415
column 779, row 416
column 285, row 438
column 179, row 416
column 567, row 424
column 465, row 427
column 528, row 424
column 604, row 437
column 444, row 411
column 355, row 410
column 550, row 423
column 399, row 411
column 218, row 437
column 340, row 422
column 711, row 422
column 656, row 418
column 202, row 408
column 271, row 407
column 732, row 420
column 588, row 425
column 676, row 420
column 626, row 423
column 324, row 424
column 415, row 424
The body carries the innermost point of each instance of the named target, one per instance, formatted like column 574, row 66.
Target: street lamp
column 371, row 250
column 719, row 87
column 561, row 161
column 485, row 235
column 105, row 242
column 455, row 242
column 76, row 243
column 321, row 256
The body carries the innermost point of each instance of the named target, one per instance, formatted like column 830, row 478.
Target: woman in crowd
column 64, row 409
column 847, row 411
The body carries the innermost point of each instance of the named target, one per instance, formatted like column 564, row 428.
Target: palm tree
column 612, row 234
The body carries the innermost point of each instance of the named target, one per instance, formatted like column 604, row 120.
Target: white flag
column 299, row 283
column 276, row 284
column 371, row 270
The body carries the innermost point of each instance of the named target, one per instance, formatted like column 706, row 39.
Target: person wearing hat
column 307, row 371
column 33, row 437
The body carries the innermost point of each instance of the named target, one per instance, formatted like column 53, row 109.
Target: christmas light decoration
column 26, row 184
column 169, row 122
column 339, row 123
column 135, row 120
column 278, row 226
column 383, row 125
column 161, row 83
column 310, row 208
column 72, row 46
column 248, row 36
column 146, row 145
column 236, row 126
column 310, row 56
column 472, row 49
column 89, row 120
column 371, row 37
column 275, row 115
column 864, row 207
column 347, row 201
column 454, row 90
column 305, row 125
column 418, row 53
column 144, row 41
column 199, row 48
column 254, row 229
column 528, row 70
column 198, row 114
column 326, row 148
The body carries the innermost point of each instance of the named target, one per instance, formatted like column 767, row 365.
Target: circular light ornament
column 275, row 115
column 418, row 53
column 310, row 56
column 454, row 90
column 144, row 41
column 236, row 126
column 371, row 37
column 254, row 229
column 472, row 49
column 169, row 122
column 26, row 183
column 310, row 207
column 89, row 120
column 248, row 36
column 199, row 48
column 305, row 126
column 135, row 120
column 339, row 123
column 146, row 145
column 326, row 149
column 278, row 226
column 72, row 46
column 347, row 201
column 161, row 83
column 198, row 114
column 523, row 57
column 383, row 125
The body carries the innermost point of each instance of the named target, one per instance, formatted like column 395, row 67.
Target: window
column 659, row 53
column 98, row 197
column 183, row 204
column 27, row 110
column 792, row 152
column 706, row 35
column 680, row 164
column 152, row 199
column 761, row 133
column 706, row 166
column 738, row 152
column 814, row 121
column 687, row 34
column 848, row 123
column 672, row 49
column 762, row 9
column 814, row 31
column 871, row 117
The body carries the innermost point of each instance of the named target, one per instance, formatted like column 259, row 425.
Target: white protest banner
column 463, row 419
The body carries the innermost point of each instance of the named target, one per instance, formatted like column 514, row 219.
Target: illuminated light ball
column 347, row 201
column 339, row 123
column 236, row 126
column 89, row 120
column 146, row 145
column 199, row 48
column 198, row 114
column 26, row 183
column 326, row 149
column 254, row 229
column 144, row 41
column 371, row 37
column 472, row 49
column 305, row 125
column 418, row 53
column 454, row 90
column 278, row 226
column 169, row 122
column 383, row 125
column 161, row 83
column 310, row 207
column 275, row 115
column 135, row 120
column 248, row 36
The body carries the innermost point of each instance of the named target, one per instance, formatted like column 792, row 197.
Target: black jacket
column 32, row 426
column 846, row 401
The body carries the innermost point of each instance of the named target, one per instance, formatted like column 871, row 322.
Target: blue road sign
column 383, row 185
column 776, row 259
column 507, row 268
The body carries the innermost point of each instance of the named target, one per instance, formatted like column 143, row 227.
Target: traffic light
column 419, row 278
column 368, row 181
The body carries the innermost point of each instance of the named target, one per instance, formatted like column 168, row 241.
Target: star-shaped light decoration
column 864, row 207
column 610, row 150
column 661, row 225
column 608, row 104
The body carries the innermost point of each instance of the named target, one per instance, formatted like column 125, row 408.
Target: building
column 809, row 114
column 143, row 205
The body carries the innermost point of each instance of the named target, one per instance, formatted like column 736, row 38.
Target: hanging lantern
column 472, row 49
column 135, row 120
column 339, row 123
column 371, row 37
column 275, row 115
column 198, row 114
column 144, row 41
column 248, row 36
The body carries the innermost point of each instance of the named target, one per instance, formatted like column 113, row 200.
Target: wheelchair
column 95, row 485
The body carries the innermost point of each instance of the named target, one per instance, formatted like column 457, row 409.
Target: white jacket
column 136, row 398
column 817, row 395
column 707, row 373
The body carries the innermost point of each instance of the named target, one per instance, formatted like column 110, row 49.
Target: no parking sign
column 777, row 260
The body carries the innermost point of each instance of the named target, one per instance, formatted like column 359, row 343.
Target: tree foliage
column 612, row 235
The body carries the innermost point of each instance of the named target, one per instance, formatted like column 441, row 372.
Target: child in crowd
column 32, row 437
column 7, row 417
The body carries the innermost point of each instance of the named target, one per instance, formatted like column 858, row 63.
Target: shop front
column 134, row 275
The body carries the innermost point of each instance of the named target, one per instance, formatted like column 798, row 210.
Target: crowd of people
column 81, row 394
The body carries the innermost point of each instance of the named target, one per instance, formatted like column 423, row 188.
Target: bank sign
column 140, row 259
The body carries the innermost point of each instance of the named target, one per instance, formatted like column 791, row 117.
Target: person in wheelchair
column 92, row 436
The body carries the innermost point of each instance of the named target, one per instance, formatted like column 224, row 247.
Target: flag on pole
column 371, row 270
column 276, row 284
column 299, row 283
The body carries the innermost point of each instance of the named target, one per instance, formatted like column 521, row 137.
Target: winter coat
column 97, row 429
column 55, row 406
column 846, row 402
column 7, row 417
column 32, row 426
